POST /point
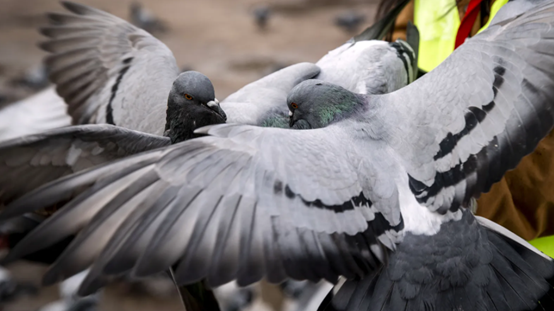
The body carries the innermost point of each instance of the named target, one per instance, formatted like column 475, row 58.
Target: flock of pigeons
column 348, row 170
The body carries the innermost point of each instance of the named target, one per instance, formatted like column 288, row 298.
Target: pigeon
column 349, row 21
column 261, row 16
column 70, row 301
column 35, row 78
column 118, row 62
column 144, row 19
column 11, row 289
column 234, row 298
column 81, row 153
column 191, row 103
column 126, row 73
column 377, row 189
column 105, row 53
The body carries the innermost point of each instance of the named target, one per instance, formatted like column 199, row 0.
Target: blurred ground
column 216, row 37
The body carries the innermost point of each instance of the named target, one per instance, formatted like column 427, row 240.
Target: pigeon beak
column 291, row 119
column 214, row 105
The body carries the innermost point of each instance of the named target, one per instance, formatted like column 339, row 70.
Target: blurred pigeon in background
column 231, row 297
column 143, row 18
column 70, row 300
column 34, row 78
column 261, row 14
column 350, row 21
column 11, row 289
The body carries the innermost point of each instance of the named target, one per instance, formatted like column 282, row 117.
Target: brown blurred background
column 216, row 37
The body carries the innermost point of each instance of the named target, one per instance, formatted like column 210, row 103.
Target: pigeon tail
column 470, row 264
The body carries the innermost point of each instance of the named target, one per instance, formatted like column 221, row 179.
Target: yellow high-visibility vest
column 438, row 22
column 545, row 245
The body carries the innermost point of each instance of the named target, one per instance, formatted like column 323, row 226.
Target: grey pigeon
column 120, row 64
column 191, row 104
column 144, row 19
column 377, row 190
column 349, row 21
column 76, row 147
column 70, row 300
column 11, row 289
column 126, row 73
column 261, row 15
column 35, row 78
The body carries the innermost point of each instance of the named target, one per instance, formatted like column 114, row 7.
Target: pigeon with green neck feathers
column 316, row 104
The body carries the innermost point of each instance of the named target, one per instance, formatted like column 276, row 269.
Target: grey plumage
column 263, row 102
column 97, row 58
column 191, row 104
column 65, row 150
column 369, row 67
column 382, row 178
column 128, row 74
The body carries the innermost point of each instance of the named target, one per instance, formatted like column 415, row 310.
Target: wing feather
column 474, row 117
column 101, row 64
column 31, row 161
column 236, row 211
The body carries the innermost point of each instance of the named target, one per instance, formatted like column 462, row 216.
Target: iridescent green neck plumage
column 316, row 104
column 330, row 104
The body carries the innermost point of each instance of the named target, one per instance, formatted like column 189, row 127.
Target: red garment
column 467, row 22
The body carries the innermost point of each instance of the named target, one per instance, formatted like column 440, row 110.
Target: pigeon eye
column 187, row 96
column 294, row 105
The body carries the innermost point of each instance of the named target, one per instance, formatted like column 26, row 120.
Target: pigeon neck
column 338, row 106
column 183, row 120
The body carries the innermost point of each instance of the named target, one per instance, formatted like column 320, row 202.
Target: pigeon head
column 191, row 104
column 315, row 104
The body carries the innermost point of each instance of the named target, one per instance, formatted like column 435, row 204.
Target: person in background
column 523, row 201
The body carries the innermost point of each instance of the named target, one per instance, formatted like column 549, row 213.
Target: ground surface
column 216, row 37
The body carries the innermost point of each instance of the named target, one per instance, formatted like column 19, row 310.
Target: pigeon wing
column 265, row 99
column 463, row 125
column 31, row 161
column 107, row 70
column 245, row 203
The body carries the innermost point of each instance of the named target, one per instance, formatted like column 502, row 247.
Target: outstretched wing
column 31, row 161
column 244, row 204
column 107, row 70
column 463, row 125
column 264, row 101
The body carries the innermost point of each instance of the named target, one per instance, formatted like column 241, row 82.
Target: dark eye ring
column 294, row 105
column 187, row 96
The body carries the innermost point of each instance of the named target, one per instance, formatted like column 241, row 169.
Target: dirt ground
column 216, row 37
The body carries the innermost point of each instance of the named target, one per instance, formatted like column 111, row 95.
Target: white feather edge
column 40, row 112
column 509, row 234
